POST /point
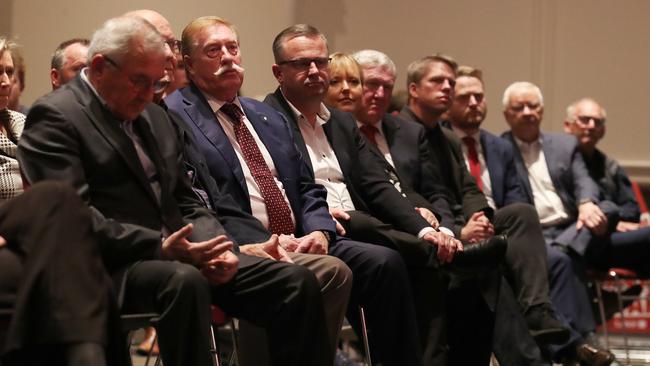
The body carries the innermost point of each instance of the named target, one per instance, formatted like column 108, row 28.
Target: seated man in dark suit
column 403, row 143
column 359, row 193
column 218, row 154
column 166, row 252
column 567, row 200
column 430, row 84
column 53, row 279
column 630, row 242
column 492, row 162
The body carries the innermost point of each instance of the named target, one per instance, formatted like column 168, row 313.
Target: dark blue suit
column 380, row 279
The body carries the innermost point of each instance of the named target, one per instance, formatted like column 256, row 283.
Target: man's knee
column 520, row 212
column 187, row 280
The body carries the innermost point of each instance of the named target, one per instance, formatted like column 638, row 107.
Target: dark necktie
column 276, row 206
column 370, row 133
column 147, row 164
column 472, row 158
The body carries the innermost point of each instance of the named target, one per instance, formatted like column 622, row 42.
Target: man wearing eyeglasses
column 586, row 121
column 166, row 252
column 250, row 152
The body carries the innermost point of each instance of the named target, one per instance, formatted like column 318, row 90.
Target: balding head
column 156, row 19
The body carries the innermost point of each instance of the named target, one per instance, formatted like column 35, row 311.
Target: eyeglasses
column 534, row 107
column 584, row 120
column 174, row 45
column 141, row 82
column 305, row 63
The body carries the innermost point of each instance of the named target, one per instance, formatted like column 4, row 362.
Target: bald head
column 156, row 19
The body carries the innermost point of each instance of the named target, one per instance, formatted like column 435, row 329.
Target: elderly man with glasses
column 166, row 252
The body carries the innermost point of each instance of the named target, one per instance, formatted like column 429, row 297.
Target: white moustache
column 231, row 67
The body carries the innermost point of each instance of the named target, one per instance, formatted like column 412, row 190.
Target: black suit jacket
column 460, row 197
column 71, row 136
column 363, row 168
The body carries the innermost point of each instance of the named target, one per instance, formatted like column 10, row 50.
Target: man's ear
column 54, row 78
column 277, row 72
column 413, row 88
column 567, row 126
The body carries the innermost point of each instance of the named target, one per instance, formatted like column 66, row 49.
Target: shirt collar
column 324, row 113
column 460, row 133
column 528, row 145
column 84, row 77
column 378, row 125
column 216, row 104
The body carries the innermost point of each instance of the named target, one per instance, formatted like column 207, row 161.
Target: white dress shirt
column 547, row 202
column 485, row 173
column 258, row 206
column 327, row 170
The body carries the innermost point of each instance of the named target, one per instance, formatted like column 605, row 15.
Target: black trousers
column 282, row 298
column 426, row 328
column 53, row 277
column 526, row 259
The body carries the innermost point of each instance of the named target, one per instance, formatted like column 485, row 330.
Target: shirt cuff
column 447, row 231
column 425, row 231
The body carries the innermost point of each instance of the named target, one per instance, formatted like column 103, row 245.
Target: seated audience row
column 293, row 213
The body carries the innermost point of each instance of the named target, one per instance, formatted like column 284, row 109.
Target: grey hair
column 114, row 38
column 521, row 85
column 571, row 109
column 374, row 58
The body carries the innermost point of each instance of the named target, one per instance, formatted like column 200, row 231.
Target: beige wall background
column 571, row 48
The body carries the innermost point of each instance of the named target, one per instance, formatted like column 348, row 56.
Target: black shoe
column 610, row 301
column 593, row 355
column 486, row 254
column 544, row 326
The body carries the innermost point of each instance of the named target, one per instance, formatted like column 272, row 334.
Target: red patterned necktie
column 474, row 163
column 276, row 206
column 370, row 132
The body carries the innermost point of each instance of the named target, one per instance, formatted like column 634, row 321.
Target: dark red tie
column 474, row 163
column 276, row 207
column 369, row 131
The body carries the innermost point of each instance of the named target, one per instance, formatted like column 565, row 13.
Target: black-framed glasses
column 139, row 81
column 305, row 63
column 584, row 120
column 174, row 45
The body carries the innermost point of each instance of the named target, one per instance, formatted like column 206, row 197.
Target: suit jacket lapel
column 202, row 116
column 494, row 168
column 520, row 166
column 110, row 128
column 297, row 134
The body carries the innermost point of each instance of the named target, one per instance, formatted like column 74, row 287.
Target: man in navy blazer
column 573, row 217
column 380, row 279
column 498, row 174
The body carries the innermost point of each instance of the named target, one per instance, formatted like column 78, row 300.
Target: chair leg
column 619, row 290
column 214, row 349
column 601, row 310
column 364, row 330
column 234, row 360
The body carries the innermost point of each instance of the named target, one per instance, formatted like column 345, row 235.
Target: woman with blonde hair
column 346, row 83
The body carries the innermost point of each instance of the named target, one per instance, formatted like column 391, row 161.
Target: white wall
column 573, row 48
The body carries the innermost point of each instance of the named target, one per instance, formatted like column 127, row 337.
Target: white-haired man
column 166, row 252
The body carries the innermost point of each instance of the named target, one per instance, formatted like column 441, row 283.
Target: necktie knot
column 469, row 141
column 233, row 112
column 370, row 132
